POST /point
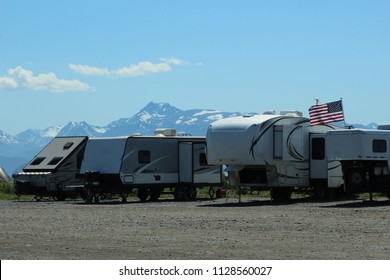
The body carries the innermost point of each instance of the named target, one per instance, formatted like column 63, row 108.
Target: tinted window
column 202, row 159
column 55, row 160
column 143, row 156
column 318, row 148
column 379, row 146
column 37, row 161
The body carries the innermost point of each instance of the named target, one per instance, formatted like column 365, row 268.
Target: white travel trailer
column 53, row 171
column 149, row 164
column 277, row 152
column 3, row 175
column 364, row 156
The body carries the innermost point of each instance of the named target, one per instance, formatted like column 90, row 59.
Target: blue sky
column 99, row 61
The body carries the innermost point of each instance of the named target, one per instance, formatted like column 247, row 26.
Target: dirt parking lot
column 203, row 229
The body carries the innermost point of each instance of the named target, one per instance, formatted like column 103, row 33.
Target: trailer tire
column 180, row 193
column 281, row 194
column 320, row 192
column 124, row 197
column 88, row 196
column 143, row 193
column 154, row 193
column 96, row 198
column 60, row 197
column 191, row 193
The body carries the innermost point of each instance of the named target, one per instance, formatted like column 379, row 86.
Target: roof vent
column 165, row 132
column 270, row 112
column 291, row 113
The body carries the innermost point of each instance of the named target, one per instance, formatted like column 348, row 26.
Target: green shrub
column 6, row 187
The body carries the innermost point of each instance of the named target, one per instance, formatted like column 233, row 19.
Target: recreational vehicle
column 276, row 152
column 149, row 164
column 364, row 157
column 53, row 171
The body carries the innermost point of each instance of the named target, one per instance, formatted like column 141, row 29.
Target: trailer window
column 379, row 146
column 278, row 139
column 80, row 156
column 203, row 159
column 37, row 161
column 55, row 161
column 143, row 156
column 318, row 148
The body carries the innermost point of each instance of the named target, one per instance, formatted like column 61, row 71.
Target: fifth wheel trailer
column 149, row 164
column 276, row 152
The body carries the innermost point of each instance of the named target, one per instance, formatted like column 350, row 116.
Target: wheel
column 281, row 194
column 336, row 193
column 60, row 197
column 88, row 196
column 154, row 193
column 96, row 198
column 124, row 197
column 180, row 193
column 320, row 192
column 143, row 193
column 191, row 193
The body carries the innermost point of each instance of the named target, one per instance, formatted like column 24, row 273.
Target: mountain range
column 16, row 151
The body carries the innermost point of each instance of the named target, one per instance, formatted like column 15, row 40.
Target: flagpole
column 341, row 100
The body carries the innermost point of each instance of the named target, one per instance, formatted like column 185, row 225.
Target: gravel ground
column 203, row 229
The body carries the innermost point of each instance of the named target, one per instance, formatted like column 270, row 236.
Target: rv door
column 318, row 160
column 185, row 162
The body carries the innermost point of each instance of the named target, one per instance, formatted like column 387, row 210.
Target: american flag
column 326, row 113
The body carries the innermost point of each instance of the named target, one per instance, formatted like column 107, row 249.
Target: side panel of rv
column 165, row 161
column 364, row 157
column 204, row 174
column 150, row 161
column 103, row 160
column 186, row 162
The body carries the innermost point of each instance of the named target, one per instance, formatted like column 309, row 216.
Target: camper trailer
column 364, row 157
column 276, row 152
column 53, row 171
column 148, row 164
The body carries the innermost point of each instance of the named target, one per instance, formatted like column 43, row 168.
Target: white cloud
column 20, row 78
column 6, row 82
column 142, row 68
column 88, row 70
column 172, row 60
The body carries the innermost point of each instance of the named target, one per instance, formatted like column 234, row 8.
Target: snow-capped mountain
column 81, row 129
column 159, row 115
column 6, row 138
column 38, row 137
